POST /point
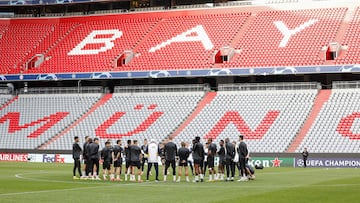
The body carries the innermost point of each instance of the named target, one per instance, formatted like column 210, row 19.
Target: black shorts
column 118, row 163
column 199, row 161
column 136, row 164
column 222, row 162
column 107, row 165
column 211, row 161
column 228, row 161
column 183, row 163
column 127, row 164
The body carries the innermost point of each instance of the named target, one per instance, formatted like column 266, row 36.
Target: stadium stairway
column 8, row 102
column 322, row 97
column 101, row 102
column 205, row 101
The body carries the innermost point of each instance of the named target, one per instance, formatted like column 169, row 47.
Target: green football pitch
column 45, row 182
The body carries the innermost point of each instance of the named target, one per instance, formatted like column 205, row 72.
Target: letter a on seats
column 201, row 36
column 107, row 43
column 289, row 33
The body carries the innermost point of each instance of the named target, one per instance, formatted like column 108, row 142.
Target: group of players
column 198, row 157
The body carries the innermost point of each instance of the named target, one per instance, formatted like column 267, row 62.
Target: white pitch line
column 46, row 191
column 147, row 184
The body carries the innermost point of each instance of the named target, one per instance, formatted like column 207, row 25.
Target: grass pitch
column 44, row 182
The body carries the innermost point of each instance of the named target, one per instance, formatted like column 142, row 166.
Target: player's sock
column 196, row 178
column 83, row 173
column 126, row 176
column 216, row 176
column 201, row 176
column 139, row 178
column 164, row 178
column 174, row 178
column 210, row 177
column 104, row 176
column 117, row 176
column 179, row 179
column 222, row 176
column 187, row 179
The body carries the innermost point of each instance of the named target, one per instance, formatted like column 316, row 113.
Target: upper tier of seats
column 173, row 40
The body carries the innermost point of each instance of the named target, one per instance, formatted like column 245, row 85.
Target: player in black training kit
column 117, row 154
column 76, row 152
column 135, row 157
column 170, row 151
column 211, row 159
column 221, row 154
column 93, row 155
column 127, row 159
column 85, row 171
column 198, row 156
column 183, row 153
column 243, row 156
column 229, row 157
column 107, row 157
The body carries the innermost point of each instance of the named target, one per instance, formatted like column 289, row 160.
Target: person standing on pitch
column 170, row 151
column 117, row 154
column 305, row 155
column 107, row 158
column 243, row 156
column 198, row 156
column 153, row 157
column 135, row 161
column 76, row 152
column 221, row 154
column 229, row 157
column 93, row 154
column 144, row 155
column 183, row 153
column 190, row 159
column 127, row 159
column 211, row 160
column 85, row 171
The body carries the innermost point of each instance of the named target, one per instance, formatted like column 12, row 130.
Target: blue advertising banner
column 185, row 73
column 329, row 162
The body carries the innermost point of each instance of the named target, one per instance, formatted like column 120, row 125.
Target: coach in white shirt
column 153, row 157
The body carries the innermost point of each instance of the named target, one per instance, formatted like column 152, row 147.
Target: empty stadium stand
column 33, row 119
column 336, row 129
column 264, row 43
column 134, row 116
column 351, row 40
column 268, row 120
column 173, row 40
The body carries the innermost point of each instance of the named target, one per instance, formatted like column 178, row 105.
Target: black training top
column 170, row 151
column 212, row 149
column 221, row 153
column 106, row 154
column 230, row 151
column 76, row 151
column 93, row 150
column 198, row 151
column 183, row 153
column 118, row 150
column 85, row 150
column 242, row 150
column 135, row 152
column 127, row 152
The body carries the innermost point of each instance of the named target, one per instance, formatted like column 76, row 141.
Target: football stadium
column 179, row 101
